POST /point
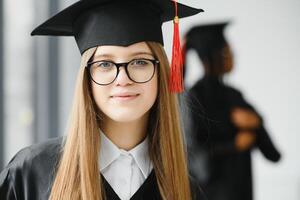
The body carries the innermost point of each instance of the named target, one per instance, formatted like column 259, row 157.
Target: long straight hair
column 77, row 175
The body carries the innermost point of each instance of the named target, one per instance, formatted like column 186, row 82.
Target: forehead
column 121, row 51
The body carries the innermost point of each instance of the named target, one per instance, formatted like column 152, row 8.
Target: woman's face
column 111, row 99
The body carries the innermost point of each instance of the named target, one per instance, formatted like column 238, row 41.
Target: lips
column 124, row 97
column 126, row 94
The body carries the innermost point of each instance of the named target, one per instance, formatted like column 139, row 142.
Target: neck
column 214, row 77
column 126, row 135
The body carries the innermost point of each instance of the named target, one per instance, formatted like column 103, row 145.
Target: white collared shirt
column 125, row 171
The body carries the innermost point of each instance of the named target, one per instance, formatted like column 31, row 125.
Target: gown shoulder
column 30, row 172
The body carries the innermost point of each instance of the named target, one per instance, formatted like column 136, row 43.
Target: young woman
column 124, row 137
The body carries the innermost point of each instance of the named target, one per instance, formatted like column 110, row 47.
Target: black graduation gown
column 223, row 172
column 29, row 176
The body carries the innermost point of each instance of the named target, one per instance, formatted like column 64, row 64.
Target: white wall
column 265, row 39
column 18, row 76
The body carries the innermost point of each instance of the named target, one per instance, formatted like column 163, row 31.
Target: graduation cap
column 122, row 23
column 205, row 39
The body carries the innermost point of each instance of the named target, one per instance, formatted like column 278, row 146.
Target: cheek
column 150, row 92
column 100, row 95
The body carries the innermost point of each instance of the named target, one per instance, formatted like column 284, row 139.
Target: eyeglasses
column 138, row 70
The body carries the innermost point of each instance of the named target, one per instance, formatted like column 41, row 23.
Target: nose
column 122, row 78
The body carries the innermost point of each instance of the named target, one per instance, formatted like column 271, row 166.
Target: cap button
column 176, row 19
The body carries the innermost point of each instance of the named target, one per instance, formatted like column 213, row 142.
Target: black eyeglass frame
column 155, row 63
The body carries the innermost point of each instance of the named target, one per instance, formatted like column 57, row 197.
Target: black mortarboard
column 113, row 22
column 206, row 38
column 122, row 23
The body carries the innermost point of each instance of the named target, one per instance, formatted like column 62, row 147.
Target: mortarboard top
column 113, row 22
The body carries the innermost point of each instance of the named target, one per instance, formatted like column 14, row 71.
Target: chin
column 125, row 116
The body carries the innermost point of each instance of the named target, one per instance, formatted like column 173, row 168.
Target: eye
column 104, row 64
column 140, row 62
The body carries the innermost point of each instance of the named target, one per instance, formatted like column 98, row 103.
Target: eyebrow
column 134, row 54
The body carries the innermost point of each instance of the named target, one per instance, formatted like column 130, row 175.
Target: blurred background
column 37, row 76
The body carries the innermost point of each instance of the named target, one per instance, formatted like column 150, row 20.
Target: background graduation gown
column 223, row 172
column 30, row 173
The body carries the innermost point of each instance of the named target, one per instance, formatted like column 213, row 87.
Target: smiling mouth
column 125, row 97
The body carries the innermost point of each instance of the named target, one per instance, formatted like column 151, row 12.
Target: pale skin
column 125, row 121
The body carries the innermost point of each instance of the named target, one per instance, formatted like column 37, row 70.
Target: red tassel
column 176, row 75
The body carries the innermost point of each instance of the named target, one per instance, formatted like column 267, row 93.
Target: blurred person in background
column 224, row 127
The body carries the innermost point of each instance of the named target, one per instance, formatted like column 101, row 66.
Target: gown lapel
column 148, row 190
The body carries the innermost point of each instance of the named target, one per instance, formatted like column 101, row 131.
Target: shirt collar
column 140, row 154
column 110, row 152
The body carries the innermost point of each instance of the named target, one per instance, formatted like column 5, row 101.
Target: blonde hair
column 78, row 175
